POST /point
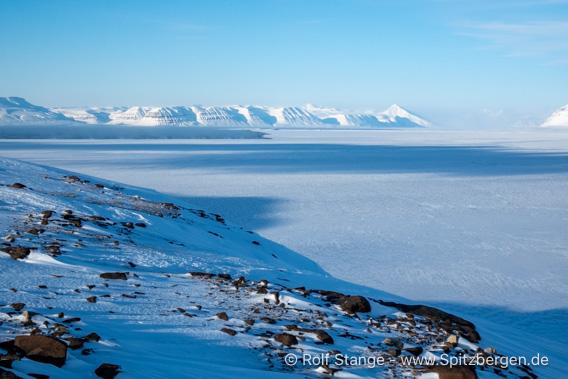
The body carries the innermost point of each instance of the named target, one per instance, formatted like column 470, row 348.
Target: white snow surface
column 469, row 221
column 18, row 111
column 558, row 119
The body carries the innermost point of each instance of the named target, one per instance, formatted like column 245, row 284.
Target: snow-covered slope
column 15, row 110
column 558, row 118
column 308, row 116
column 102, row 278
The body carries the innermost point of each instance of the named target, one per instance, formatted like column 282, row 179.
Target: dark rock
column 92, row 299
column 128, row 225
column 329, row 295
column 394, row 352
column 7, row 345
column 75, row 343
column 131, row 264
column 416, row 351
column 268, row 320
column 18, row 306
column 230, row 332
column 393, row 342
column 42, row 349
column 286, row 339
column 352, row 304
column 324, row 337
column 71, row 320
column 107, row 371
column 255, row 243
column 39, row 376
column 8, row 375
column 224, row 276
column 34, row 231
column 92, row 337
column 17, row 185
column 73, row 178
column 113, row 275
column 261, row 291
column 223, row 316
column 140, row 224
column 449, row 322
column 249, row 322
column 205, row 275
column 16, row 252
column 98, row 185
column 47, row 214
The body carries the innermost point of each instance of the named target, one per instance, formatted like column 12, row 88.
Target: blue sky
column 431, row 56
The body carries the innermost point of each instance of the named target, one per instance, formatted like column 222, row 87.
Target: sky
column 442, row 59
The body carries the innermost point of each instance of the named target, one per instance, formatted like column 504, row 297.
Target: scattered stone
column 92, row 337
column 17, row 185
column 230, row 332
column 452, row 340
column 224, row 276
column 324, row 337
column 249, row 322
column 205, row 275
column 75, row 343
column 223, row 316
column 140, row 224
column 353, row 304
column 47, row 214
column 286, row 339
column 394, row 352
column 17, row 306
column 491, row 350
column 113, row 275
column 268, row 320
column 255, row 243
column 92, row 299
column 416, row 351
column 16, row 252
column 42, row 349
column 10, row 238
column 8, row 375
column 71, row 320
column 60, row 315
column 107, row 371
column 393, row 342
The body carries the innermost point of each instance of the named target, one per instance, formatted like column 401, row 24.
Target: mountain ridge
column 15, row 110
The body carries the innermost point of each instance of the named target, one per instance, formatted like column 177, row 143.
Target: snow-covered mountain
column 309, row 116
column 558, row 118
column 16, row 110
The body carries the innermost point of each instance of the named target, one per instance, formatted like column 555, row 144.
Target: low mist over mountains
column 15, row 110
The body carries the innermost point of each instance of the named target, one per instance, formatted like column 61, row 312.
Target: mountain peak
column 558, row 119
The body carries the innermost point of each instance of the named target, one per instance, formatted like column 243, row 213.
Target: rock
column 140, row 224
column 353, row 304
column 416, row 351
column 491, row 350
column 92, row 337
column 249, row 322
column 10, row 238
column 75, row 343
column 8, row 375
column 286, row 339
column 268, row 320
column 454, row 372
column 205, row 275
column 7, row 345
column 17, row 185
column 449, row 322
column 113, row 275
column 16, row 252
column 73, row 178
column 393, row 342
column 324, row 337
column 92, row 299
column 34, row 231
column 17, row 306
column 230, row 332
column 42, row 349
column 223, row 316
column 128, row 225
column 47, row 214
column 27, row 316
column 394, row 352
column 452, row 340
column 107, row 371
column 224, row 276
column 261, row 291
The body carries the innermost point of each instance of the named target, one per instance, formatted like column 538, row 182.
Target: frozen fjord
column 476, row 219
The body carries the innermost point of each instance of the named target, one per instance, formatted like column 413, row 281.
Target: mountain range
column 16, row 110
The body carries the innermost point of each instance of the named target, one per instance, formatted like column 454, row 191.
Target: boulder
column 353, row 304
column 16, row 252
column 286, row 339
column 107, row 371
column 113, row 275
column 42, row 349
